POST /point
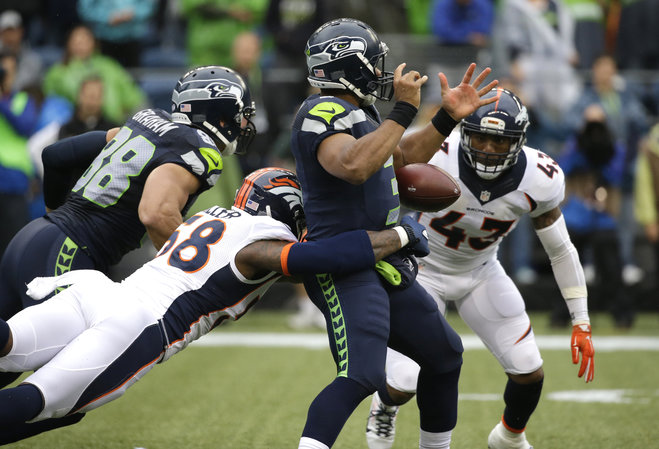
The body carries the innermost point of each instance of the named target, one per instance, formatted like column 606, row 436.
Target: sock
column 7, row 378
column 309, row 443
column 430, row 440
column 384, row 396
column 437, row 398
column 331, row 409
column 521, row 400
column 20, row 404
column 25, row 430
column 4, row 333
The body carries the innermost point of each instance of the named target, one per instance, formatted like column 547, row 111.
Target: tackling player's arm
column 346, row 252
column 166, row 192
column 568, row 272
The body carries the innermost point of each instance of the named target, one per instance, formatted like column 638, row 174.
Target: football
column 426, row 188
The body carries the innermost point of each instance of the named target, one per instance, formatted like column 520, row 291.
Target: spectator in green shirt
column 122, row 96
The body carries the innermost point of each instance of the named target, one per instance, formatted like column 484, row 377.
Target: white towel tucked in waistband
column 41, row 287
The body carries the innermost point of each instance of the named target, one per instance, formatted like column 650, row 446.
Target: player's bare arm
column 458, row 102
column 111, row 133
column 165, row 193
column 546, row 219
column 356, row 160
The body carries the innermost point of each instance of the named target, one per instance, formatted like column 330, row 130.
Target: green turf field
column 257, row 397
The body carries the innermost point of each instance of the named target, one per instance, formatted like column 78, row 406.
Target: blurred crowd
column 587, row 69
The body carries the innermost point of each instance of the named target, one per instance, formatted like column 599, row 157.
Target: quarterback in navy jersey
column 95, row 339
column 345, row 159
column 104, row 190
column 501, row 179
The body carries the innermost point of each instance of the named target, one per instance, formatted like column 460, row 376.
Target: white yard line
column 470, row 342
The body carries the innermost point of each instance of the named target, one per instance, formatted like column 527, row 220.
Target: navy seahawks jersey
column 332, row 205
column 100, row 213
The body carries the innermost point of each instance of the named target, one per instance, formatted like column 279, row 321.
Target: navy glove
column 418, row 236
column 399, row 270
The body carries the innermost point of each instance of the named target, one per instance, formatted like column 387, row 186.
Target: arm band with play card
column 343, row 253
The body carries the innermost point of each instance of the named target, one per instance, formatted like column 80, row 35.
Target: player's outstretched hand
column 407, row 86
column 463, row 99
column 582, row 342
column 418, row 236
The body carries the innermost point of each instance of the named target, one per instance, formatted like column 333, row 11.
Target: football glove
column 582, row 342
column 417, row 235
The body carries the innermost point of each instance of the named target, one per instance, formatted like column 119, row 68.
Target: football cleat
column 502, row 438
column 381, row 424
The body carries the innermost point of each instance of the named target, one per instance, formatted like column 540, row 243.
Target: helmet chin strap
column 366, row 100
column 229, row 147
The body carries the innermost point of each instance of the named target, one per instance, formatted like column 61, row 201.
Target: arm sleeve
column 64, row 162
column 567, row 268
column 344, row 253
column 644, row 197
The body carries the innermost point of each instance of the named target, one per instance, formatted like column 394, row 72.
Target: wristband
column 578, row 308
column 443, row 122
column 403, row 113
column 402, row 235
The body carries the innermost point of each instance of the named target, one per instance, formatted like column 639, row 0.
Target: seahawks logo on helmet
column 336, row 48
column 224, row 89
column 217, row 89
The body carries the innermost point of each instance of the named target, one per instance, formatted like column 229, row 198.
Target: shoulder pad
column 543, row 181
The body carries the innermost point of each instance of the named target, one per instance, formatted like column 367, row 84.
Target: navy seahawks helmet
column 347, row 54
column 274, row 192
column 506, row 117
column 216, row 99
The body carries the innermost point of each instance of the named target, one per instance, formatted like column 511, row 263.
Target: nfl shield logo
column 485, row 195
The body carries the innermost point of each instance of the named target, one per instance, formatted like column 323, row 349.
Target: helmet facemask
column 489, row 165
column 504, row 120
column 225, row 130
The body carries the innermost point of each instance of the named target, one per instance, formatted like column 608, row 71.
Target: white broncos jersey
column 193, row 282
column 468, row 233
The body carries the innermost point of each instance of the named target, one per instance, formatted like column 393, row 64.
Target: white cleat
column 502, row 438
column 381, row 425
